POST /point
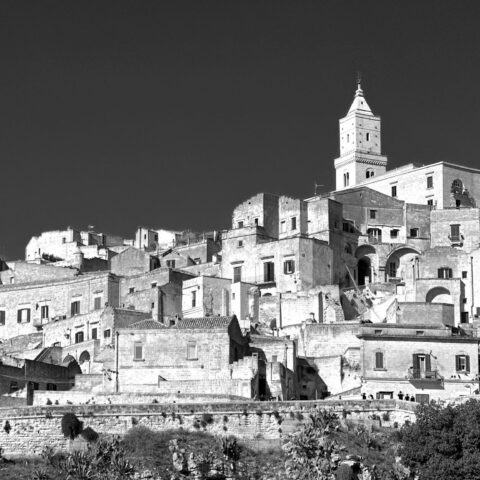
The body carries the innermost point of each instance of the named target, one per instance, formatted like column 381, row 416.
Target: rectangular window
column 294, row 223
column 455, row 233
column 94, row 333
column 106, row 334
column 237, row 274
column 379, row 360
column 430, row 182
column 394, row 233
column 464, row 274
column 35, row 385
column 2, row 317
column 462, row 363
column 138, row 351
column 392, row 269
column 23, row 315
column 268, row 272
column 240, row 224
column 97, row 303
column 394, row 191
column 194, row 299
column 153, row 284
column 171, row 263
column 240, row 244
column 289, row 267
column 283, row 226
column 463, row 317
column 51, row 386
column 445, row 272
column 192, row 351
column 79, row 337
column 44, row 312
column 414, row 232
column 75, row 308
column 256, row 222
column 373, row 214
column 131, row 289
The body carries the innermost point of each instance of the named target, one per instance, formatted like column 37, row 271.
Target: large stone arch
column 400, row 263
column 439, row 295
column 69, row 358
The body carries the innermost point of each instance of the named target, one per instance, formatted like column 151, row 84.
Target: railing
column 456, row 238
column 420, row 374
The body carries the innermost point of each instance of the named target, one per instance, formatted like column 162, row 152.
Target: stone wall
column 34, row 428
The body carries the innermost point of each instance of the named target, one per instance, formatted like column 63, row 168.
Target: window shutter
column 428, row 363
column 378, row 360
column 265, row 271
column 285, row 269
column 439, row 273
column 457, row 362
column 467, row 361
column 19, row 316
column 416, row 364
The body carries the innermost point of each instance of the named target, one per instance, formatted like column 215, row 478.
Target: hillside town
column 370, row 291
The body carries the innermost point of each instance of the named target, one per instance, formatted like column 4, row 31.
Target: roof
column 359, row 104
column 203, row 323
column 146, row 324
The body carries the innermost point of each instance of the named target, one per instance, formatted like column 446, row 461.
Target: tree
column 444, row 442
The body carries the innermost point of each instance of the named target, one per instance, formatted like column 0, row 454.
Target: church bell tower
column 360, row 145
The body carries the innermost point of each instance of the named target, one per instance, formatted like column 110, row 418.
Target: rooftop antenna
column 359, row 78
column 315, row 186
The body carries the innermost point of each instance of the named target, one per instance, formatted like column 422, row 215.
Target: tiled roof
column 267, row 339
column 147, row 324
column 203, row 323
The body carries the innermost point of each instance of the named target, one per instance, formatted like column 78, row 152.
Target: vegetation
column 444, row 442
column 71, row 426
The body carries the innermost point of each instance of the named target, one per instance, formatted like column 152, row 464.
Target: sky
column 169, row 113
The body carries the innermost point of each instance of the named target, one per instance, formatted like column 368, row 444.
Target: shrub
column 89, row 434
column 386, row 416
column 207, row 418
column 7, row 427
column 49, row 402
column 299, row 416
column 71, row 426
column 225, row 418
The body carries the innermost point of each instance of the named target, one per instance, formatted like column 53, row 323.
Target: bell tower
column 360, row 145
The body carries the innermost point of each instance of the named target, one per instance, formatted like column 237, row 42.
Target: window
column 268, row 272
column 97, row 303
column 373, row 214
column 430, row 202
column 377, row 332
column 346, row 177
column 13, row 386
column 240, row 224
column 138, row 351
column 289, row 267
column 369, row 173
column 379, row 365
column 94, row 333
column 367, row 137
column 171, row 263
column 463, row 317
column 23, row 315
column 153, row 284
column 79, row 337
column 414, row 232
column 51, row 386
column 430, row 182
column 2, row 317
column 106, row 334
column 153, row 305
column 294, row 223
column 392, row 269
column 192, row 351
column 255, row 221
column 420, row 333
column 462, row 363
column 458, row 203
column 348, row 137
column 394, row 233
column 394, row 191
column 457, row 186
column 44, row 312
column 464, row 274
column 131, row 289
column 194, row 299
column 455, row 233
column 283, row 226
column 75, row 308
column 35, row 385
column 237, row 274
column 240, row 244
column 445, row 272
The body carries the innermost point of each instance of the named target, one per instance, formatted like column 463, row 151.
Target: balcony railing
column 420, row 374
column 456, row 238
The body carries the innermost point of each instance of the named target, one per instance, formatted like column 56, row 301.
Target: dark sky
column 169, row 113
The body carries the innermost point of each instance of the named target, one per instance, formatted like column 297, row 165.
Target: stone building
column 208, row 355
column 27, row 307
column 426, row 361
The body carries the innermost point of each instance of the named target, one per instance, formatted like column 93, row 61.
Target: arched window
column 379, row 364
column 346, row 179
column 369, row 173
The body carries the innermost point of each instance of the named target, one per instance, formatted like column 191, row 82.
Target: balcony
column 456, row 239
column 420, row 378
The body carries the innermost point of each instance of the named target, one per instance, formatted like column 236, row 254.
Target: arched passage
column 84, row 357
column 400, row 263
column 366, row 255
column 439, row 295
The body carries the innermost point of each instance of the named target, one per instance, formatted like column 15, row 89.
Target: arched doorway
column 400, row 263
column 364, row 271
column 84, row 361
column 439, row 295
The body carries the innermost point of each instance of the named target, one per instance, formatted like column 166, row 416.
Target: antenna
column 359, row 78
column 315, row 186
